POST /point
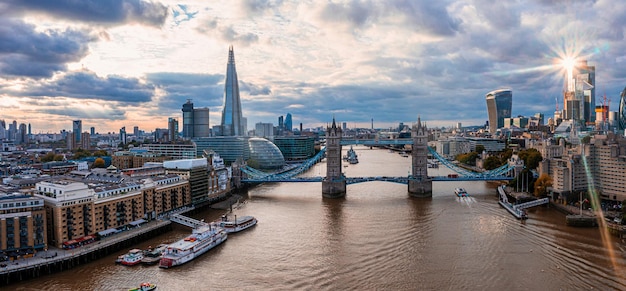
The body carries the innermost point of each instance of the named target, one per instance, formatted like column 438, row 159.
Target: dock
column 55, row 260
column 517, row 210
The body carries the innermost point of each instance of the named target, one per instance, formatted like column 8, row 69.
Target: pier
column 55, row 260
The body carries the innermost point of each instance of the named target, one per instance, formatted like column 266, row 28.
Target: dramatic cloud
column 26, row 52
column 87, row 85
column 110, row 12
column 355, row 59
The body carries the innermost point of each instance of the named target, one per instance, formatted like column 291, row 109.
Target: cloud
column 87, row 85
column 205, row 90
column 107, row 12
column 27, row 52
column 253, row 89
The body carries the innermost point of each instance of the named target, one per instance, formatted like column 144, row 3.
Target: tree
column 81, row 153
column 49, row 157
column 98, row 163
column 100, row 153
column 468, row 158
column 541, row 185
column 491, row 163
column 531, row 158
column 58, row 158
column 480, row 148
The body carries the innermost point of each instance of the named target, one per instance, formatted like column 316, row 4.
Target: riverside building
column 22, row 224
column 86, row 203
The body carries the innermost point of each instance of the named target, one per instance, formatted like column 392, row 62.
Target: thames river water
column 377, row 238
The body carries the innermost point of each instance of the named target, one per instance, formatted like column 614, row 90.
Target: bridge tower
column 419, row 183
column 334, row 184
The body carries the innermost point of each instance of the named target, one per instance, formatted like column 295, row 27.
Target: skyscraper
column 288, row 122
column 232, row 123
column 580, row 94
column 195, row 121
column 622, row 110
column 172, row 128
column 499, row 103
column 77, row 129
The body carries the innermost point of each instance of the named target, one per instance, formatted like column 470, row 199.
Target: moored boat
column 133, row 257
column 238, row 224
column 153, row 255
column 202, row 239
column 460, row 192
column 144, row 287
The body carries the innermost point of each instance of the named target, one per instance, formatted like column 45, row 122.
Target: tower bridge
column 418, row 181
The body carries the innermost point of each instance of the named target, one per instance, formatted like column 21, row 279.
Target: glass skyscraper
column 622, row 111
column 232, row 120
column 499, row 103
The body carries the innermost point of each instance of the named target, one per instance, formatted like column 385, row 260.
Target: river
column 377, row 238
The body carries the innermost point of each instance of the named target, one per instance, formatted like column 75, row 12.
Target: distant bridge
column 291, row 174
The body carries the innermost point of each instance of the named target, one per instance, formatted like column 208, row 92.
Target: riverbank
column 55, row 260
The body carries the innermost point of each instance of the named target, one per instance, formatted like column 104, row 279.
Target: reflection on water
column 376, row 238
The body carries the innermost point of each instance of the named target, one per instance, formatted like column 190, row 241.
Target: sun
column 569, row 64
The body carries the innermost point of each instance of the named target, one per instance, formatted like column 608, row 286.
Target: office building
column 77, row 129
column 123, row 135
column 622, row 111
column 172, row 128
column 499, row 103
column 195, row 121
column 175, row 151
column 579, row 97
column 295, row 147
column 264, row 130
column 288, row 123
column 232, row 119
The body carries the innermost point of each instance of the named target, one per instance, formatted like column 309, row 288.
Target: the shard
column 232, row 120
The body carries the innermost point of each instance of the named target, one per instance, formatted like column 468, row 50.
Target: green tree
column 491, row 163
column 541, row 185
column 531, row 158
column 480, row 149
column 49, row 157
column 100, row 153
column 58, row 158
column 98, row 163
column 81, row 153
column 468, row 158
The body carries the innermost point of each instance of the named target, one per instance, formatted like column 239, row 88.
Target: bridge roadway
column 355, row 180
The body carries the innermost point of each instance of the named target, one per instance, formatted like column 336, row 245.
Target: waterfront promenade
column 55, row 259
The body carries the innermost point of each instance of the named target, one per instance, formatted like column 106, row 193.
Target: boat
column 133, row 257
column 404, row 154
column 153, row 255
column 352, row 157
column 202, row 239
column 237, row 225
column 144, row 287
column 460, row 192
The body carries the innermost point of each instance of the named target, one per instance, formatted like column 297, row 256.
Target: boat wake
column 467, row 200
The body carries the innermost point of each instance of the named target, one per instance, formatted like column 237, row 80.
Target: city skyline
column 132, row 63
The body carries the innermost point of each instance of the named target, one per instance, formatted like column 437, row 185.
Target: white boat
column 238, row 224
column 202, row 239
column 460, row 192
column 133, row 257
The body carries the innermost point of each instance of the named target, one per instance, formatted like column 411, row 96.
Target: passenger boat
column 153, row 255
column 238, row 224
column 144, row 287
column 202, row 239
column 460, row 192
column 133, row 257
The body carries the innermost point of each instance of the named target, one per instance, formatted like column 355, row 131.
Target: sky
column 115, row 63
